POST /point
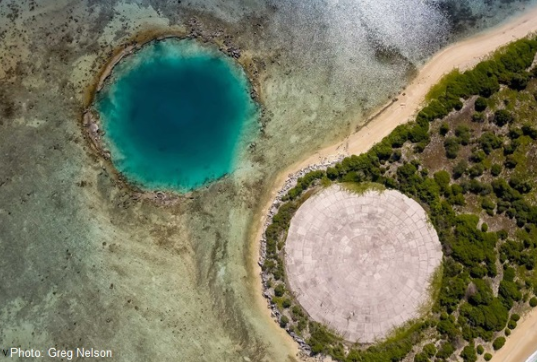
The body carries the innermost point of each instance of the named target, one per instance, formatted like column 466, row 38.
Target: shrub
column 515, row 133
column 442, row 178
column 284, row 321
column 511, row 324
column 533, row 302
column 488, row 205
column 528, row 130
column 478, row 156
column 483, row 293
column 476, row 170
column 519, row 81
column 446, row 350
column 279, row 290
column 498, row 343
column 489, row 141
column 511, row 161
column 515, row 317
column 444, row 129
column 502, row 117
column 487, row 356
column 452, row 147
column 469, row 354
column 520, row 185
column 429, row 350
column 478, row 117
column 496, row 169
column 480, row 104
column 464, row 134
column 480, row 350
column 459, row 169
column 420, row 357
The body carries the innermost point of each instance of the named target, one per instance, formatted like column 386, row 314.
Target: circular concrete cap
column 361, row 264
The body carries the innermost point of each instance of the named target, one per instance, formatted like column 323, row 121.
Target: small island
column 469, row 160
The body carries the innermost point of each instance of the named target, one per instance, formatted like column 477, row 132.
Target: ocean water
column 182, row 285
column 174, row 113
column 532, row 358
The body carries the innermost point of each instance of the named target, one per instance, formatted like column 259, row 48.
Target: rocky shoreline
column 91, row 124
column 290, row 182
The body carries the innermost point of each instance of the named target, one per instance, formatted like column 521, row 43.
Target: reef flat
column 91, row 265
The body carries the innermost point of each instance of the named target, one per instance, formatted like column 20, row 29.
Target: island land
column 463, row 55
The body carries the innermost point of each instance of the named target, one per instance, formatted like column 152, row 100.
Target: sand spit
column 462, row 55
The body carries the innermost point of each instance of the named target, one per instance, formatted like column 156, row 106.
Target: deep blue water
column 176, row 115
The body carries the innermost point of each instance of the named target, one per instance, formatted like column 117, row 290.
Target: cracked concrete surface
column 361, row 264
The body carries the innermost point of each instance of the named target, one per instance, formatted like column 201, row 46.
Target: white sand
column 522, row 343
column 462, row 55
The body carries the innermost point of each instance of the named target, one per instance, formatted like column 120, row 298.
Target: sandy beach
column 462, row 55
column 522, row 343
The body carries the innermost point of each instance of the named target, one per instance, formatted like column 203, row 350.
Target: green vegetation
column 476, row 182
column 498, row 343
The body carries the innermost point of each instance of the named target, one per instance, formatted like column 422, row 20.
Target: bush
column 519, row 81
column 515, row 133
column 476, row 170
column 520, row 185
column 528, row 130
column 498, row 343
column 478, row 117
column 469, row 354
column 452, row 147
column 284, row 321
column 459, row 169
column 515, row 317
column 480, row 350
column 489, row 142
column 444, row 129
column 488, row 205
column 480, row 104
column 446, row 350
column 279, row 290
column 533, row 302
column 420, row 357
column 464, row 134
column 496, row 169
column 511, row 161
column 478, row 156
column 502, row 117
column 511, row 324
column 442, row 178
column 429, row 350
column 487, row 356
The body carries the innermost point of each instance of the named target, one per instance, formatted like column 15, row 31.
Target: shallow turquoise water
column 176, row 115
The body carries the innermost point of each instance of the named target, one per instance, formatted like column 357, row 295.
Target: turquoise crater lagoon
column 176, row 115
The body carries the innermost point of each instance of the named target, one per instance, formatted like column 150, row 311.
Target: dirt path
column 462, row 55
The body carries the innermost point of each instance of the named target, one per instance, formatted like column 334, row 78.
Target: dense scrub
column 473, row 170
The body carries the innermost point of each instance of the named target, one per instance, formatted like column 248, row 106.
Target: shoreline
column 462, row 55
column 90, row 122
column 522, row 343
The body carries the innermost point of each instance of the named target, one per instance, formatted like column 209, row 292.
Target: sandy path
column 522, row 343
column 462, row 55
